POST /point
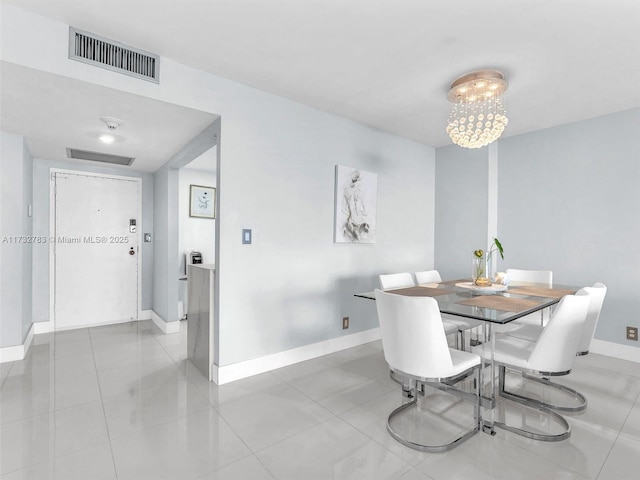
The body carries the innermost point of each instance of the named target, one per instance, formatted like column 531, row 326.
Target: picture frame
column 202, row 201
column 355, row 206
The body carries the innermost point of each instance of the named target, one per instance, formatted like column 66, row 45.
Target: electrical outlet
column 632, row 333
column 345, row 323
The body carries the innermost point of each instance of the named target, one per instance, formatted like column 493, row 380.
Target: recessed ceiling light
column 108, row 139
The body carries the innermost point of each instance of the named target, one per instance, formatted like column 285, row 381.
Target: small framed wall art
column 202, row 201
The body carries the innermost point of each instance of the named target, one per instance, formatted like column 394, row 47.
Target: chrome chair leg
column 408, row 390
column 540, row 436
column 566, row 433
column 437, row 448
column 563, row 388
column 539, row 403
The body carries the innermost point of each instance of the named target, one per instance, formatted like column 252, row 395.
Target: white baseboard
column 615, row 350
column 41, row 327
column 47, row 326
column 166, row 327
column 91, row 325
column 17, row 352
column 236, row 371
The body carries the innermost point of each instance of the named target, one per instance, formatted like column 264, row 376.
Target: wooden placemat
column 421, row 291
column 541, row 292
column 497, row 302
column 453, row 282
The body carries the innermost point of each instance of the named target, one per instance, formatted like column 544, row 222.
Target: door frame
column 52, row 233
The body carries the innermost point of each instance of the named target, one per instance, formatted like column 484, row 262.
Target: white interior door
column 96, row 256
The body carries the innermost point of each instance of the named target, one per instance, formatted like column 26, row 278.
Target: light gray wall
column 41, row 205
column 148, row 248
column 293, row 285
column 569, row 201
column 161, row 240
column 461, row 208
column 16, row 166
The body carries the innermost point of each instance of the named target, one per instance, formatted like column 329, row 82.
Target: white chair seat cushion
column 526, row 332
column 463, row 361
column 509, row 351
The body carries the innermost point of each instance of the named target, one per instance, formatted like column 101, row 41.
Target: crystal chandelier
column 478, row 116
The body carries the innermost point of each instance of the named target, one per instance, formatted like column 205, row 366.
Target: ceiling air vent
column 98, row 157
column 101, row 52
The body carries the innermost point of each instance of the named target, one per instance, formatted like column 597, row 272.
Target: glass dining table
column 495, row 305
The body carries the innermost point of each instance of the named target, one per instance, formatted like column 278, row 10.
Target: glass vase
column 488, row 268
column 477, row 269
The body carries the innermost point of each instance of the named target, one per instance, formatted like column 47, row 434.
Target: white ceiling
column 389, row 64
column 54, row 112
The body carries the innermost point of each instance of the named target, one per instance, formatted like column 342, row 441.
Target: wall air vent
column 98, row 157
column 101, row 52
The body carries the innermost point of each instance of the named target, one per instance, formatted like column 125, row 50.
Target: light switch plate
column 246, row 236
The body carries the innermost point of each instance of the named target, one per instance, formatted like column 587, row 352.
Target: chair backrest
column 413, row 339
column 557, row 345
column 428, row 276
column 533, row 276
column 597, row 294
column 396, row 280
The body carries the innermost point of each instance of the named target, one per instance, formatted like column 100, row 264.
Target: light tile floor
column 122, row 402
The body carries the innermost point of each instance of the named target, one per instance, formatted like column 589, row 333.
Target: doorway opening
column 196, row 229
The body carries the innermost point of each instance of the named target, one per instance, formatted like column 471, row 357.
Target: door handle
column 132, row 251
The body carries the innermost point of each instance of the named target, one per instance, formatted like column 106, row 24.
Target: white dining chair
column 428, row 276
column 415, row 347
column 544, row 277
column 392, row 281
column 396, row 280
column 596, row 293
column 552, row 354
column 433, row 276
column 522, row 277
